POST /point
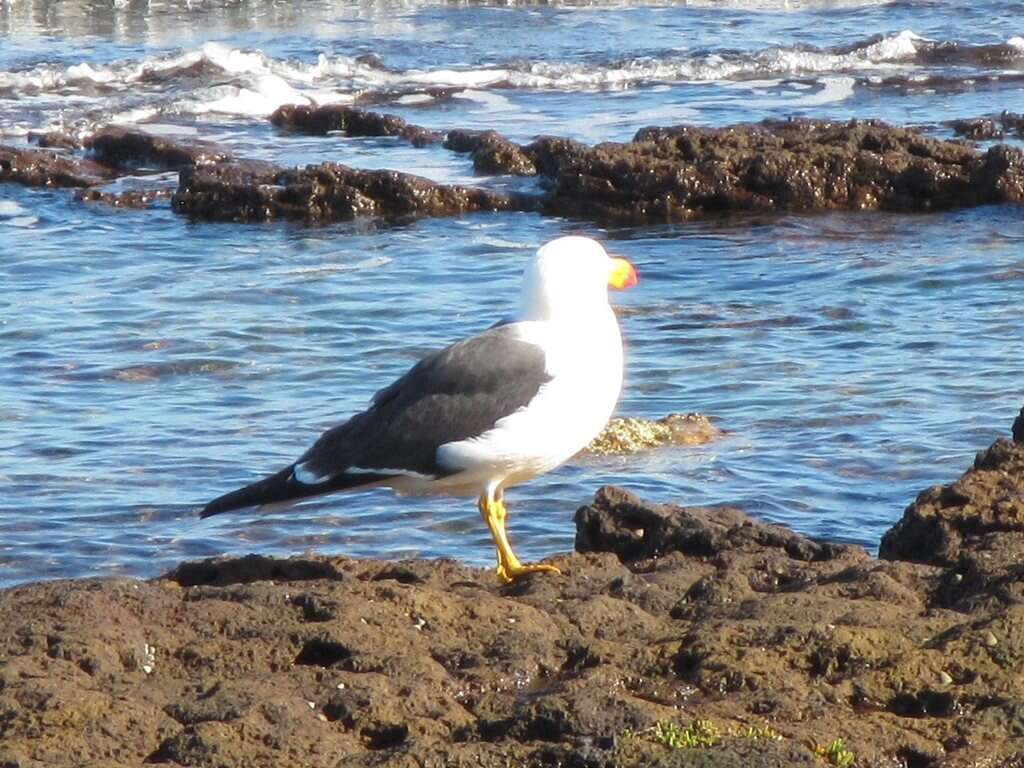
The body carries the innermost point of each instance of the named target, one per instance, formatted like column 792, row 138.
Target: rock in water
column 632, row 435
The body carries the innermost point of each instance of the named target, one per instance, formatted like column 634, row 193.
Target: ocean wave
column 216, row 79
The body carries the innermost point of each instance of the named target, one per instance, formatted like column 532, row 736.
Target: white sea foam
column 251, row 84
column 14, row 215
column 10, row 208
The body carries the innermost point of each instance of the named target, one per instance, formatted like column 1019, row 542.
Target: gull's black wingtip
column 283, row 488
column 276, row 488
column 208, row 511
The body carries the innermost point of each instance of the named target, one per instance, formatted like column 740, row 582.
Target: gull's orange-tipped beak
column 622, row 274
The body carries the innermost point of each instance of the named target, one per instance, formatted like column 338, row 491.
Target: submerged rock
column 130, row 199
column 632, row 435
column 322, row 193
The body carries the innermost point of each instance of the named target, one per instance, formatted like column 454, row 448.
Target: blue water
column 148, row 363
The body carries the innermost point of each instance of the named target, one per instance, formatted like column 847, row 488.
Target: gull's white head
column 569, row 278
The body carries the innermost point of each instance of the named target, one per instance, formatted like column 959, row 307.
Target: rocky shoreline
column 677, row 636
column 663, row 175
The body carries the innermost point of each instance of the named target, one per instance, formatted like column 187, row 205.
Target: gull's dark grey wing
column 456, row 393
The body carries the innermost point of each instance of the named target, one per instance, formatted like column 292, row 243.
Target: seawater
column 149, row 363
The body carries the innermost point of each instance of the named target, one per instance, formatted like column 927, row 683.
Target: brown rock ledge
column 327, row 192
column 753, row 644
column 351, row 121
column 671, row 174
column 662, row 175
column 46, row 168
column 131, row 149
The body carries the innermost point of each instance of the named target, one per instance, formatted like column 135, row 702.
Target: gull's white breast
column 584, row 360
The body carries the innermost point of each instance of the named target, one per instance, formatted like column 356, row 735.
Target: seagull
column 487, row 412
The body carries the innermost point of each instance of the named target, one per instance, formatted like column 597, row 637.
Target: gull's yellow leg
column 509, row 568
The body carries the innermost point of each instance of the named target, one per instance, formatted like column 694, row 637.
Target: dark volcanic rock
column 351, row 121
column 616, row 521
column 974, row 528
column 44, row 168
column 123, row 148
column 977, row 128
column 945, row 521
column 322, row 193
column 669, row 174
column 492, row 152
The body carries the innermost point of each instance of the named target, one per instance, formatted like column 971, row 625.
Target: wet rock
column 492, row 153
column 135, row 149
column 672, row 174
column 986, row 128
column 57, row 140
column 632, row 435
column 977, row 129
column 323, row 193
column 45, row 168
column 1018, row 427
column 351, row 121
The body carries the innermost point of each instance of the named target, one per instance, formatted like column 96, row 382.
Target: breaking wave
column 216, row 79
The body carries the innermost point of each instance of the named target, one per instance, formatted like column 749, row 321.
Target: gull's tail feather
column 283, row 489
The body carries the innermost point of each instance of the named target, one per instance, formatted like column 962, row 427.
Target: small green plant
column 760, row 733
column 699, row 733
column 837, row 754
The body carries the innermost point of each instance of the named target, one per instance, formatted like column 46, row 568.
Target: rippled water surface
column 148, row 363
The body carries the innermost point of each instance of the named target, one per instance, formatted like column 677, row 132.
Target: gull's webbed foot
column 509, row 573
column 492, row 510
